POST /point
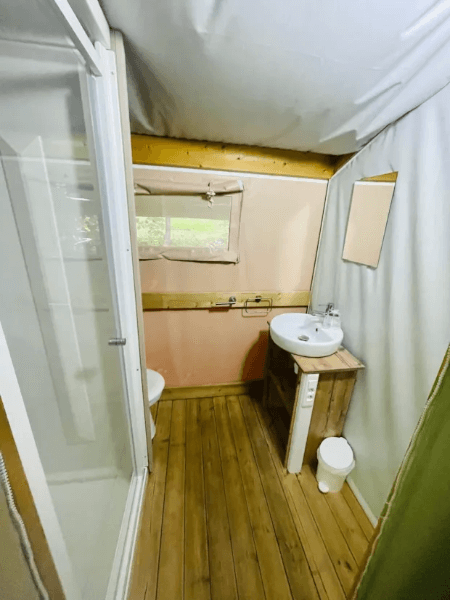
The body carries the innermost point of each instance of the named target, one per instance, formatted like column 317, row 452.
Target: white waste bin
column 336, row 461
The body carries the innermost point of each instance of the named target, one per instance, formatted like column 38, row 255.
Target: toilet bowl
column 155, row 384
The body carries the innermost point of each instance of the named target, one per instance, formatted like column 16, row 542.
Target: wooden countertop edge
column 353, row 365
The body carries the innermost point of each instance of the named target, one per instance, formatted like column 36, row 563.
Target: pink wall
column 200, row 347
column 279, row 233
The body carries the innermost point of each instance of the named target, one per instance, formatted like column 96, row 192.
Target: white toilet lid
column 155, row 383
column 336, row 452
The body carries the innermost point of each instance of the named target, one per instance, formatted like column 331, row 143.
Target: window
column 194, row 225
column 206, row 226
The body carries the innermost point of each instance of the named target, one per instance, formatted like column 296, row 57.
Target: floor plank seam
column 310, row 508
column 258, row 475
column 195, row 585
column 207, row 518
column 245, row 495
column 226, row 502
column 164, row 505
column 341, row 530
column 369, row 539
column 280, row 470
column 204, row 497
column 265, row 434
column 317, row 526
column 184, row 506
column 265, row 496
column 323, row 539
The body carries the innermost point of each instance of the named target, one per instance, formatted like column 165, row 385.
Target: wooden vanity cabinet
column 283, row 378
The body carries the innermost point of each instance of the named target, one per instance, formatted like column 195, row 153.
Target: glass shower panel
column 57, row 305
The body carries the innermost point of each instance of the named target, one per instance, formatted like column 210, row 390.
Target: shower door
column 64, row 306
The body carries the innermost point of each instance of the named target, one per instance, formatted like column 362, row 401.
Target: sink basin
column 286, row 329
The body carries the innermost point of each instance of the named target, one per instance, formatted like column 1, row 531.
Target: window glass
column 183, row 232
column 184, row 221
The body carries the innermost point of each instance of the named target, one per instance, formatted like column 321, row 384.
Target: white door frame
column 77, row 34
column 108, row 146
column 106, row 143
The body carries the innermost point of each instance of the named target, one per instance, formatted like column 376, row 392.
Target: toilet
column 155, row 384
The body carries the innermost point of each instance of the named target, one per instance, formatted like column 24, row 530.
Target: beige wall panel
column 279, row 231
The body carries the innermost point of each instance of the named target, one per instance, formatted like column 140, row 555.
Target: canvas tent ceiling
column 291, row 74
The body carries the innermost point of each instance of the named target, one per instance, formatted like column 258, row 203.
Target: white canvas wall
column 323, row 76
column 396, row 318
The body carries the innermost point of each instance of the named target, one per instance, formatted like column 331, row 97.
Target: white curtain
column 396, row 318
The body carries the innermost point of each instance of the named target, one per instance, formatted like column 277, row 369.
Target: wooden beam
column 193, row 154
column 171, row 152
column 385, row 177
column 340, row 161
column 162, row 151
column 194, row 300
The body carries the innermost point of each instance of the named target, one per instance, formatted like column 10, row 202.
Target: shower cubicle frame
column 105, row 139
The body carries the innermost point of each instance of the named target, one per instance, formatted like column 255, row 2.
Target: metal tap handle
column 330, row 307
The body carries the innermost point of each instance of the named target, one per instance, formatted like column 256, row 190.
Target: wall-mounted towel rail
column 261, row 303
column 231, row 302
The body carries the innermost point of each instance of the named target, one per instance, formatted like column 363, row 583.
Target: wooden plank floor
column 223, row 520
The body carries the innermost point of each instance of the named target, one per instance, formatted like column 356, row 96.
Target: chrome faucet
column 317, row 313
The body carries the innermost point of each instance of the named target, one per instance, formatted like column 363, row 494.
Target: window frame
column 200, row 254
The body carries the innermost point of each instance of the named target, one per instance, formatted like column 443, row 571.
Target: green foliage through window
column 182, row 232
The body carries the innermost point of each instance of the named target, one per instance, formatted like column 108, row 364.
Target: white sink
column 286, row 329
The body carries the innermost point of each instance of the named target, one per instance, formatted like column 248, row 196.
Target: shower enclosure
column 69, row 357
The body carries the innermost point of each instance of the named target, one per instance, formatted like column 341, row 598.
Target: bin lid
column 336, row 452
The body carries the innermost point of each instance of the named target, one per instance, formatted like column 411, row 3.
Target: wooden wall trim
column 237, row 388
column 205, row 300
column 27, row 509
column 340, row 161
column 162, row 151
column 385, row 177
column 343, row 159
